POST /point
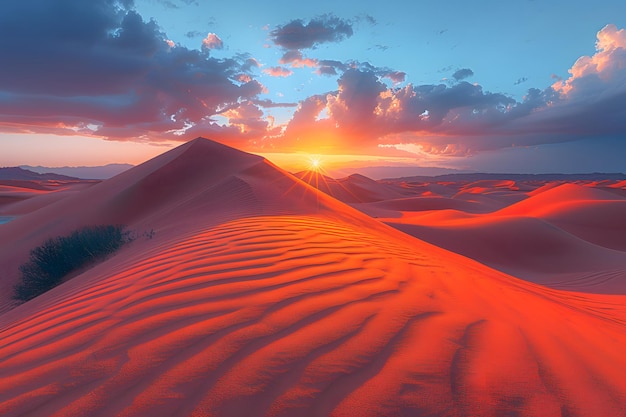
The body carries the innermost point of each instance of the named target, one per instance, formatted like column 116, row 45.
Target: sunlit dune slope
column 294, row 315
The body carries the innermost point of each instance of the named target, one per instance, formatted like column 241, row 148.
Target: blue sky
column 403, row 82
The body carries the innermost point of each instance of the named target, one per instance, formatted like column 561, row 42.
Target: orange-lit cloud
column 607, row 64
column 278, row 71
column 212, row 41
column 297, row 60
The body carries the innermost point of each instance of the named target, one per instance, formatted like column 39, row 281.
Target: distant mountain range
column 17, row 173
column 87, row 173
column 596, row 176
column 27, row 172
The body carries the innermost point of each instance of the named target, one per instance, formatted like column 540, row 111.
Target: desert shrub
column 49, row 263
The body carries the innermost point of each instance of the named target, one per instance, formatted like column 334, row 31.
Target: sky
column 525, row 86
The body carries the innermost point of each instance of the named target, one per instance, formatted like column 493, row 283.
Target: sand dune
column 565, row 235
column 260, row 295
column 198, row 184
column 352, row 189
column 289, row 315
column 21, row 197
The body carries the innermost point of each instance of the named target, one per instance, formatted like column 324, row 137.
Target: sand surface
column 564, row 235
column 260, row 295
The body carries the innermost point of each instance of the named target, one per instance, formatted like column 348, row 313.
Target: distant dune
column 261, row 295
column 567, row 235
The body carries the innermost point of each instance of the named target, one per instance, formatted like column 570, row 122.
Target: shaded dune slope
column 568, row 236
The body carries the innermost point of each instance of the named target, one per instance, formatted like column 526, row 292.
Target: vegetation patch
column 49, row 263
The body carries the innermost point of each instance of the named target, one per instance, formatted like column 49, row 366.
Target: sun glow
column 315, row 163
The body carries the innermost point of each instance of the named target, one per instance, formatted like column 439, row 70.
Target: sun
column 315, row 163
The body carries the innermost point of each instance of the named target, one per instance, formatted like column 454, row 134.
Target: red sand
column 261, row 296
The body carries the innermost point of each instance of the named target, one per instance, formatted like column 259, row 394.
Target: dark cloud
column 297, row 34
column 169, row 4
column 379, row 47
column 365, row 112
column 266, row 103
column 330, row 67
column 520, row 81
column 395, row 76
column 194, row 34
column 364, row 17
column 462, row 74
column 99, row 68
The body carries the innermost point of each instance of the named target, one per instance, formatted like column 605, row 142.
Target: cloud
column 396, row 77
column 173, row 5
column 169, row 4
column 108, row 73
column 600, row 71
column 297, row 35
column 364, row 112
column 212, row 41
column 331, row 67
column 462, row 119
column 366, row 18
column 193, row 34
column 462, row 74
column 379, row 47
column 520, row 81
column 278, row 72
column 297, row 60
column 266, row 103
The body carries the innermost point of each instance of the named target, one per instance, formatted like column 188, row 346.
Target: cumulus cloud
column 462, row 118
column 591, row 100
column 297, row 60
column 103, row 70
column 396, row 77
column 365, row 112
column 600, row 71
column 297, row 34
column 462, row 74
column 212, row 41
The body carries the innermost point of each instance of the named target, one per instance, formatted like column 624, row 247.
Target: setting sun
column 315, row 163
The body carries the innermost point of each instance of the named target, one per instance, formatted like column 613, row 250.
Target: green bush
column 49, row 263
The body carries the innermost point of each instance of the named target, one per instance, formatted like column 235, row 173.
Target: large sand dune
column 259, row 295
